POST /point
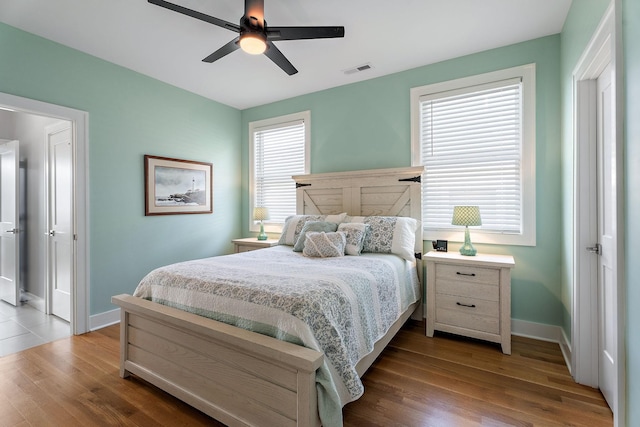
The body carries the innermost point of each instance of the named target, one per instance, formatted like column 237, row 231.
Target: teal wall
column 631, row 58
column 366, row 125
column 131, row 115
column 582, row 21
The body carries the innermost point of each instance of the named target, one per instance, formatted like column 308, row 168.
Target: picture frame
column 440, row 245
column 176, row 186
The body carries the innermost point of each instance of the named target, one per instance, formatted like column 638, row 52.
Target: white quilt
column 340, row 306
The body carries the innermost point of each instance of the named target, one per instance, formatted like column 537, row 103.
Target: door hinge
column 596, row 249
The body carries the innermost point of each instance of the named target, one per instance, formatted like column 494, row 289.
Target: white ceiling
column 391, row 36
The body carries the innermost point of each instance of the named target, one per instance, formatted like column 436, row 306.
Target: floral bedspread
column 340, row 306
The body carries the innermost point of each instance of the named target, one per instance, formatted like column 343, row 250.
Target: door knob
column 52, row 233
column 597, row 249
column 14, row 231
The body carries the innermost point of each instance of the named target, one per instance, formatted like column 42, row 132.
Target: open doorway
column 39, row 126
column 31, row 241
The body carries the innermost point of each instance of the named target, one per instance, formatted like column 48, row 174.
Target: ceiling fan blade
column 223, row 51
column 300, row 33
column 198, row 15
column 276, row 56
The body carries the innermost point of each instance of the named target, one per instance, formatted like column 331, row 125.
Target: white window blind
column 471, row 141
column 279, row 153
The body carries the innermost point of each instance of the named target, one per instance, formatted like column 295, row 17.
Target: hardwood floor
column 418, row 381
column 454, row 381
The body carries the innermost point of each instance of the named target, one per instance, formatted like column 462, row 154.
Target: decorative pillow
column 389, row 234
column 313, row 226
column 355, row 234
column 293, row 226
column 321, row 244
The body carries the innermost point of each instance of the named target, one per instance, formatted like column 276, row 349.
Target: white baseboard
column 34, row 301
column 535, row 330
column 102, row 320
column 544, row 332
column 565, row 347
column 97, row 321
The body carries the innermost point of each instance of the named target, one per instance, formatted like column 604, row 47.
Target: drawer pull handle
column 466, row 274
column 466, row 305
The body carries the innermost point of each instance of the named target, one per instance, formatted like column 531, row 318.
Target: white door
column 60, row 221
column 9, row 241
column 607, row 280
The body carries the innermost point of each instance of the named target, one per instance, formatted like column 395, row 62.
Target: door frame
column 602, row 50
column 80, row 132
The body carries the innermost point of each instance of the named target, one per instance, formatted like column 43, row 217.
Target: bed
column 241, row 377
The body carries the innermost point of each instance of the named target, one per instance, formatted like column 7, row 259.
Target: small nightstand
column 251, row 244
column 470, row 296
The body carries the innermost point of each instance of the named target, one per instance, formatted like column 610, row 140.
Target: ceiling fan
column 255, row 36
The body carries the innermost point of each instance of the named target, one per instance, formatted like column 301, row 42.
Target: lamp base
column 262, row 235
column 467, row 249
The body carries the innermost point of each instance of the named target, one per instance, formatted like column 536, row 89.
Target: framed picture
column 174, row 186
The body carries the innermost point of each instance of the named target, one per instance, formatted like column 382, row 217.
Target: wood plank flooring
column 418, row 381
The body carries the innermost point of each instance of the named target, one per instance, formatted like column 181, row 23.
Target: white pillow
column 389, row 234
column 355, row 234
column 321, row 244
column 293, row 226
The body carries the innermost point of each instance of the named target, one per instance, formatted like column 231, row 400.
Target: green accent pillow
column 327, row 227
column 294, row 223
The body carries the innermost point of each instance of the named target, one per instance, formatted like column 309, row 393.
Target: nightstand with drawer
column 470, row 296
column 251, row 244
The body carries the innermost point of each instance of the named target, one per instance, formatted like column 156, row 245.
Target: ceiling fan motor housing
column 253, row 35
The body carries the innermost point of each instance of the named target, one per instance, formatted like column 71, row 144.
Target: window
column 279, row 149
column 476, row 139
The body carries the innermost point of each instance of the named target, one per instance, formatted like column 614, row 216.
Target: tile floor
column 24, row 327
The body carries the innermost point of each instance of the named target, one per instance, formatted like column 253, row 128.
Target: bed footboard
column 235, row 376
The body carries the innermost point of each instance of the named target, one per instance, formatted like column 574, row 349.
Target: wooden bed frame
column 244, row 378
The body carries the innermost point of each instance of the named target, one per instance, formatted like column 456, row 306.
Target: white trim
column 80, row 120
column 565, row 347
column 542, row 332
column 528, row 157
column 102, row 320
column 585, row 308
column 538, row 331
column 603, row 49
column 34, row 301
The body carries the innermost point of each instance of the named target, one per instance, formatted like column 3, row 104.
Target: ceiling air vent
column 357, row 69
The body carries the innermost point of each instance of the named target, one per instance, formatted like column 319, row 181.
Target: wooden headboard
column 388, row 192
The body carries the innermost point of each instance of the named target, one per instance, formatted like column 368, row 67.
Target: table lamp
column 260, row 214
column 466, row 215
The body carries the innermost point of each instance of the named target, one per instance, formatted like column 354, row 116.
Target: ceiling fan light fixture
column 253, row 44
